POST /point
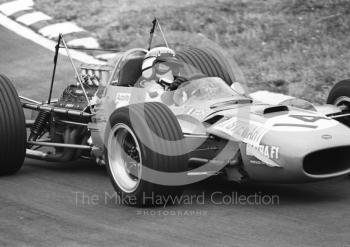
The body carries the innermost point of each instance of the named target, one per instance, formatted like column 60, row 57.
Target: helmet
column 158, row 62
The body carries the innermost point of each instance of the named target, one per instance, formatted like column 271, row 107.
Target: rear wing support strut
column 57, row 47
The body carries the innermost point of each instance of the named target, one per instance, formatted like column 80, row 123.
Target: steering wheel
column 191, row 78
column 180, row 81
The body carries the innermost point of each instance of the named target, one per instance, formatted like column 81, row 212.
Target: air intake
column 274, row 109
column 327, row 161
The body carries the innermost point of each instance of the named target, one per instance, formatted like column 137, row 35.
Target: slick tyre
column 12, row 129
column 340, row 94
column 140, row 136
column 211, row 62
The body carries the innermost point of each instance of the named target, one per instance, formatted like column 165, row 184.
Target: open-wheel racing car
column 156, row 144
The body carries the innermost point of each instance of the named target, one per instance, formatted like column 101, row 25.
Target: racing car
column 211, row 127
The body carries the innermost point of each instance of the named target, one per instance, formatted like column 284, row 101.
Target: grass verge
column 290, row 46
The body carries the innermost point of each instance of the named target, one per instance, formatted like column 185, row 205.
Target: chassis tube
column 59, row 145
column 51, row 108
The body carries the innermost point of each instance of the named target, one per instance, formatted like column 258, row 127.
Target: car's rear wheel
column 12, row 129
column 130, row 147
column 212, row 63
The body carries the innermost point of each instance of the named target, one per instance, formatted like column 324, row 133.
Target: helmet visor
column 162, row 68
column 165, row 64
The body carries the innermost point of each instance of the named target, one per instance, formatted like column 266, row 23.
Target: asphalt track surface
column 72, row 204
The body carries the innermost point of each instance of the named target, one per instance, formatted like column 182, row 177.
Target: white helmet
column 158, row 61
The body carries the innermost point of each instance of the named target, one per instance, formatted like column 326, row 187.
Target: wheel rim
column 124, row 158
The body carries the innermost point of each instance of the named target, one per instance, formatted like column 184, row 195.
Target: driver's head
column 160, row 63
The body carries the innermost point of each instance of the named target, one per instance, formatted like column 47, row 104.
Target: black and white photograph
column 175, row 123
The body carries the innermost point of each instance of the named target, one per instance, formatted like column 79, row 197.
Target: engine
column 73, row 97
column 71, row 128
column 92, row 76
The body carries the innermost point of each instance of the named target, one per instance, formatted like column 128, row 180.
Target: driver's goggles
column 164, row 67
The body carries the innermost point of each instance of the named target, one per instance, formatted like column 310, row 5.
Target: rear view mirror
column 237, row 87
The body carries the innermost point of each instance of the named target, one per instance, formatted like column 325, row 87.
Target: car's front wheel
column 144, row 136
column 340, row 94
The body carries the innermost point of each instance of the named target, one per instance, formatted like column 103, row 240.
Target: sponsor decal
column 70, row 105
column 264, row 154
column 246, row 131
column 122, row 99
column 271, row 152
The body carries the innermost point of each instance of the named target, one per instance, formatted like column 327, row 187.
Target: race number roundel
column 300, row 122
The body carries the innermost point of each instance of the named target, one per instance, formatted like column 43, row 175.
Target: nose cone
column 300, row 152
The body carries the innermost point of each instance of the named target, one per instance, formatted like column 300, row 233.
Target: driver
column 160, row 71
